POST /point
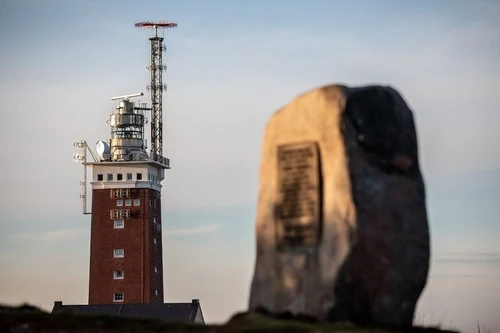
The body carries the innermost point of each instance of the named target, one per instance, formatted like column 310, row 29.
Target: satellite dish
column 103, row 150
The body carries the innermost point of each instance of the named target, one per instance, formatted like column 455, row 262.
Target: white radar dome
column 103, row 149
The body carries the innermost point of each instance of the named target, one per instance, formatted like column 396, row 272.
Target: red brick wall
column 137, row 239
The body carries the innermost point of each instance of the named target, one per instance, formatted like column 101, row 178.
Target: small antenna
column 127, row 96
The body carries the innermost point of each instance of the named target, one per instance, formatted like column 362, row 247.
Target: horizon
column 230, row 66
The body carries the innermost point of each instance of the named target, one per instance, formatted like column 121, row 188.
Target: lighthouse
column 126, row 262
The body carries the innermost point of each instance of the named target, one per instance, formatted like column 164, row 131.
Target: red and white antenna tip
column 156, row 25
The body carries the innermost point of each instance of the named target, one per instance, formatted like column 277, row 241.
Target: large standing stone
column 341, row 224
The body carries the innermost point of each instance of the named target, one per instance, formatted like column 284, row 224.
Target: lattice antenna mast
column 156, row 86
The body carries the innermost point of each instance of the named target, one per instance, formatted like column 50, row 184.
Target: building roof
column 165, row 312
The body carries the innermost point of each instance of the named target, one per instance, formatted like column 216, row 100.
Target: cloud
column 72, row 234
column 52, row 236
column 489, row 259
column 203, row 229
column 466, row 265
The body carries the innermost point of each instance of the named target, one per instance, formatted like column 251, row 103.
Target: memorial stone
column 341, row 224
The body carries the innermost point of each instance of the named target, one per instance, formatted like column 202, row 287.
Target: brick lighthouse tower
column 126, row 264
column 125, row 239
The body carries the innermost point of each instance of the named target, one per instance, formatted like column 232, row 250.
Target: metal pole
column 84, row 182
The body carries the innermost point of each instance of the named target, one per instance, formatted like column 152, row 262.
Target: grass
column 28, row 319
column 484, row 329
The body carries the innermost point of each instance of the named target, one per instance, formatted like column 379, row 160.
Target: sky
column 231, row 64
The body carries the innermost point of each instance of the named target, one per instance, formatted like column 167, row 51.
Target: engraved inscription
column 299, row 195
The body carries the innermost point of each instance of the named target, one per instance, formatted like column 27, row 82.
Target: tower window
column 119, row 202
column 118, row 275
column 156, row 269
column 119, row 224
column 129, row 176
column 118, row 253
column 120, row 193
column 156, row 292
column 110, row 176
column 118, row 297
column 154, row 240
column 119, row 176
column 116, row 214
column 139, row 176
column 137, row 202
column 128, row 202
column 100, row 177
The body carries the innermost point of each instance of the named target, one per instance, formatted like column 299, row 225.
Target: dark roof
column 166, row 312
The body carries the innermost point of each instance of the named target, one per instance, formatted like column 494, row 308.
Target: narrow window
column 118, row 275
column 149, row 202
column 124, row 214
column 110, row 176
column 113, row 214
column 119, row 224
column 154, row 240
column 100, row 177
column 118, row 297
column 137, row 202
column 119, row 202
column 156, row 292
column 128, row 202
column 129, row 176
column 139, row 176
column 115, row 193
column 119, row 176
column 156, row 269
column 118, row 253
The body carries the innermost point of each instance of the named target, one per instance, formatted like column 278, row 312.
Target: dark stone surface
column 383, row 126
column 387, row 267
